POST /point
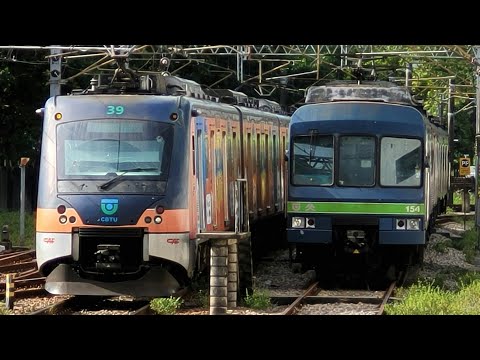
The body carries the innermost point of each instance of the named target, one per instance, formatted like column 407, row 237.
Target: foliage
column 428, row 299
column 468, row 244
column 166, row 306
column 441, row 246
column 203, row 298
column 12, row 219
column 23, row 90
column 468, row 278
column 458, row 197
column 4, row 310
column 259, row 299
column 422, row 299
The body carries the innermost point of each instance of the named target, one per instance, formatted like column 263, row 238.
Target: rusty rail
column 291, row 309
column 386, row 297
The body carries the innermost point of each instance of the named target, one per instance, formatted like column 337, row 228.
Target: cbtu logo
column 109, row 219
column 109, row 207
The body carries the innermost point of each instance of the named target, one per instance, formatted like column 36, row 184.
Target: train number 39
column 413, row 208
column 115, row 110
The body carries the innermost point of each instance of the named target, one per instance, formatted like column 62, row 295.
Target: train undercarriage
column 355, row 254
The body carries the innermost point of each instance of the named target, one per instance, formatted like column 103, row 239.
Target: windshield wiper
column 105, row 185
column 313, row 146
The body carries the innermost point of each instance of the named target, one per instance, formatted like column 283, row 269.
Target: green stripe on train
column 356, row 208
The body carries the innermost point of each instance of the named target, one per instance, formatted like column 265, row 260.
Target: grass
column 166, row 306
column 426, row 298
column 458, row 197
column 442, row 246
column 467, row 244
column 12, row 219
column 259, row 299
column 4, row 310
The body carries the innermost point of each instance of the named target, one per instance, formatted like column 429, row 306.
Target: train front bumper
column 385, row 237
column 157, row 282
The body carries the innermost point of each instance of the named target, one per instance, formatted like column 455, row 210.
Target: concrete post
column 10, row 292
column 218, row 277
column 232, row 285
column 23, row 163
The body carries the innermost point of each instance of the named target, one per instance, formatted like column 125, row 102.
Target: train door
column 268, row 169
column 427, row 178
column 275, row 167
column 250, row 165
column 259, row 169
column 210, row 215
column 201, row 155
column 234, row 164
column 220, row 174
column 283, row 175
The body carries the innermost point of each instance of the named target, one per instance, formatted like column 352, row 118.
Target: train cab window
column 356, row 163
column 98, row 147
column 312, row 160
column 400, row 162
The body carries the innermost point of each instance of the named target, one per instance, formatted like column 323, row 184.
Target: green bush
column 441, row 246
column 203, row 298
column 259, row 299
column 458, row 197
column 166, row 306
column 467, row 244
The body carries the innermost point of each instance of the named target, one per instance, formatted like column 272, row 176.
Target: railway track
column 100, row 305
column 316, row 299
column 22, row 263
column 93, row 305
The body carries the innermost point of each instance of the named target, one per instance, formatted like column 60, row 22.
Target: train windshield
column 356, row 161
column 400, row 161
column 312, row 160
column 102, row 149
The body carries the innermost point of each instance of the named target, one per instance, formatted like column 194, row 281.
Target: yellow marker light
column 58, row 116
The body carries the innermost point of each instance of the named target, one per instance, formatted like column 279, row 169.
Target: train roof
column 381, row 91
column 160, row 84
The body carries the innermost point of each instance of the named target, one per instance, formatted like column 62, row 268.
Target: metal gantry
column 280, row 55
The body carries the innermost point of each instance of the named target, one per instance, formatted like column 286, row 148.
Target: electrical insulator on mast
column 55, row 72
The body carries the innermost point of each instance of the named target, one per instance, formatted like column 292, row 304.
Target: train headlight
column 62, row 219
column 157, row 220
column 298, row 222
column 310, row 222
column 400, row 224
column 413, row 224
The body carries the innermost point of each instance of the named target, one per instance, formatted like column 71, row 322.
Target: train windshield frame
column 313, row 160
column 99, row 149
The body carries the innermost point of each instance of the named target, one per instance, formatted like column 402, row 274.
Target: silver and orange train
column 131, row 173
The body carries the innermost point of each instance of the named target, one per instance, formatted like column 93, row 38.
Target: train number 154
column 115, row 110
column 413, row 208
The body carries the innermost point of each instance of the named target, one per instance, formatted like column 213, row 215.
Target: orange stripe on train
column 172, row 221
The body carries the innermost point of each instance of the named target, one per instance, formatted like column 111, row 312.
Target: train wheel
column 245, row 267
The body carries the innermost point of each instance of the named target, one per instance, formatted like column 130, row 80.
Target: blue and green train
column 368, row 173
